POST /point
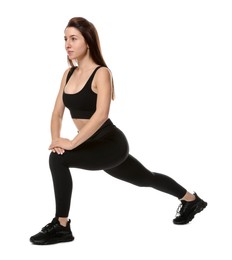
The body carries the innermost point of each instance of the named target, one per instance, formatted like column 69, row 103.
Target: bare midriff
column 80, row 123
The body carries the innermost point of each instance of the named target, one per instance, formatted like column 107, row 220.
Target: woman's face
column 75, row 44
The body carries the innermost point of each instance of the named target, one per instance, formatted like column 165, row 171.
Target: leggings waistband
column 107, row 127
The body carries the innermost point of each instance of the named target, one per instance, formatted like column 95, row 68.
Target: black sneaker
column 53, row 233
column 188, row 209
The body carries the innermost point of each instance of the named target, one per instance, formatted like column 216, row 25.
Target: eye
column 73, row 38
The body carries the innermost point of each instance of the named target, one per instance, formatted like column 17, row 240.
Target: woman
column 87, row 90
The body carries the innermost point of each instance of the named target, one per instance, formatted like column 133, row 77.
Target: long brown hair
column 90, row 34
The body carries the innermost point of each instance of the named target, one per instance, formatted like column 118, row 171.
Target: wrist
column 73, row 145
column 55, row 138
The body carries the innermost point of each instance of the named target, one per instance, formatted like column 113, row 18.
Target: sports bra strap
column 70, row 73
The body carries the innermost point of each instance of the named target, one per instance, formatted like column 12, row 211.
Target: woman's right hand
column 58, row 150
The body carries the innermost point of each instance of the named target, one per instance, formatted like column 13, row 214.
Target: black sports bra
column 83, row 103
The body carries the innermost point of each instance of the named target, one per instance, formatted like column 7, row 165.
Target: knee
column 55, row 160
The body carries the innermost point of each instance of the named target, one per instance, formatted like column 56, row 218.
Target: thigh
column 99, row 154
column 130, row 170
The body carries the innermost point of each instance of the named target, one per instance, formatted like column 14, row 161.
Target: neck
column 86, row 63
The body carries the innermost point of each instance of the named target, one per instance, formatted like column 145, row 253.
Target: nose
column 67, row 44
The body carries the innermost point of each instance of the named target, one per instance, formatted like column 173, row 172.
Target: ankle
column 188, row 197
column 63, row 221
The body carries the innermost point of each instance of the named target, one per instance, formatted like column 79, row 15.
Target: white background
column 171, row 62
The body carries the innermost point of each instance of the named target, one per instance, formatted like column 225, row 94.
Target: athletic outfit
column 107, row 149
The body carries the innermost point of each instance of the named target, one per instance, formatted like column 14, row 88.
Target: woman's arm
column 103, row 83
column 57, row 114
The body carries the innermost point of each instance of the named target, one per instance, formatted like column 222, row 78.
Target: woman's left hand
column 64, row 143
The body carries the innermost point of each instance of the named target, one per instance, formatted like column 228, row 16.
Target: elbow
column 102, row 116
column 56, row 119
column 57, row 115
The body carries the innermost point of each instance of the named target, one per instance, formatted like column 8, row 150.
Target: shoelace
column 180, row 208
column 49, row 227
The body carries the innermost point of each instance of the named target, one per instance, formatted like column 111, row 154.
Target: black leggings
column 106, row 150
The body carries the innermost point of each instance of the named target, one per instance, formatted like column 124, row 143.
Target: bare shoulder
column 103, row 74
column 64, row 77
column 66, row 72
